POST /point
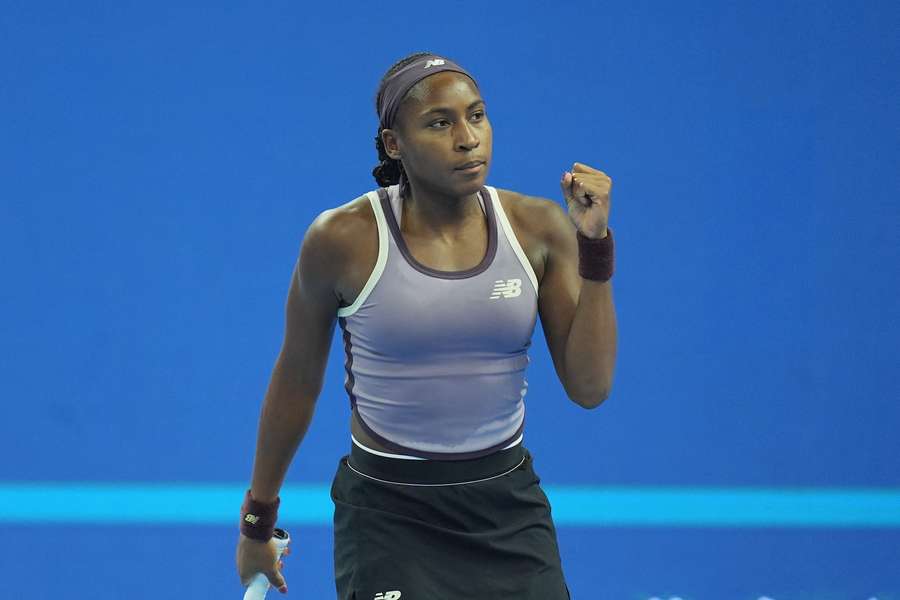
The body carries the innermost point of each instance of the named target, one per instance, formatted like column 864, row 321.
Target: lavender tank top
column 435, row 360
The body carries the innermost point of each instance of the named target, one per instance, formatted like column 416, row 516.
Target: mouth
column 472, row 166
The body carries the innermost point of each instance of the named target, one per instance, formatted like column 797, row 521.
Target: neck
column 434, row 212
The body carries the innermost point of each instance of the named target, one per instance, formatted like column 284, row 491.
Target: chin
column 470, row 185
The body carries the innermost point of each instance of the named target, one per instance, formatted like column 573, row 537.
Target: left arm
column 578, row 315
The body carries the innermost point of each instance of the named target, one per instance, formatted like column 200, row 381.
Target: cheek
column 487, row 143
column 423, row 159
column 427, row 154
column 488, row 133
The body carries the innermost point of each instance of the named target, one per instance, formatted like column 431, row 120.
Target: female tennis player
column 436, row 280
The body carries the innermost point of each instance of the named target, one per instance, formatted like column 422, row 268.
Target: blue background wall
column 159, row 164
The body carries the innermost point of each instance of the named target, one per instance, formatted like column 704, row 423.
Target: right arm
column 295, row 383
column 296, row 379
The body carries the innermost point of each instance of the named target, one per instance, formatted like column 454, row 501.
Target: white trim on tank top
column 407, row 457
column 511, row 236
column 380, row 263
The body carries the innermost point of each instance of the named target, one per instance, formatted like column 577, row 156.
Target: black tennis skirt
column 476, row 529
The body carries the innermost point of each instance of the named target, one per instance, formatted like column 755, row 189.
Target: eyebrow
column 445, row 109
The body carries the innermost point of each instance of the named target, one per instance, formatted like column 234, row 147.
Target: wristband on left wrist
column 596, row 256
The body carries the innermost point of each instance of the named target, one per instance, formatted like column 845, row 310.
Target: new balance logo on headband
column 507, row 289
column 395, row 595
column 434, row 63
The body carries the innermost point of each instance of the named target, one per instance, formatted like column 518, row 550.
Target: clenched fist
column 586, row 191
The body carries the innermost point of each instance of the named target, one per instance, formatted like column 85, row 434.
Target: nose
column 465, row 136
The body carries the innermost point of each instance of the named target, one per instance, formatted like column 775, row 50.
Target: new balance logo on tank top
column 435, row 360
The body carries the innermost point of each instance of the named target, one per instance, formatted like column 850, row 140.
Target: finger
column 565, row 185
column 594, row 184
column 581, row 191
column 576, row 190
column 583, row 168
column 600, row 179
column 594, row 178
column 277, row 580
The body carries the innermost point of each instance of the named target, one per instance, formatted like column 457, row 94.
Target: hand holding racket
column 258, row 564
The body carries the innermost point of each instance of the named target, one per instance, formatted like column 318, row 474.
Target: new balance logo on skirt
column 506, row 289
column 395, row 595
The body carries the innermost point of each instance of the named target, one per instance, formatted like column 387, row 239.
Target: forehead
column 446, row 88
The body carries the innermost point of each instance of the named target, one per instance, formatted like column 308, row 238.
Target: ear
column 391, row 145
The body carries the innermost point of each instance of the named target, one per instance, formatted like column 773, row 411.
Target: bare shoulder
column 517, row 201
column 337, row 230
column 343, row 242
column 534, row 215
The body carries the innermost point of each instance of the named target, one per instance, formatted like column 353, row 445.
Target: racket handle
column 260, row 585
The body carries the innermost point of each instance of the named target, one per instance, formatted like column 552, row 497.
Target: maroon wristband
column 258, row 518
column 596, row 257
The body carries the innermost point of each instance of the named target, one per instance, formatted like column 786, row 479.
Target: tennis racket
column 260, row 585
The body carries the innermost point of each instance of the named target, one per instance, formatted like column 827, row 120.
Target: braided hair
column 390, row 171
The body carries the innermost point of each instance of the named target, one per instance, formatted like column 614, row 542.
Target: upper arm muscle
column 560, row 285
column 311, row 309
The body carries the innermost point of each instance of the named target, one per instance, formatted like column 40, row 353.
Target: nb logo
column 252, row 519
column 431, row 63
column 506, row 289
column 395, row 595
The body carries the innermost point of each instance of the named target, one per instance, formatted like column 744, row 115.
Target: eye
column 438, row 122
column 478, row 115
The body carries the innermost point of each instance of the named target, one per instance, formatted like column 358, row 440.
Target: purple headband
column 399, row 83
